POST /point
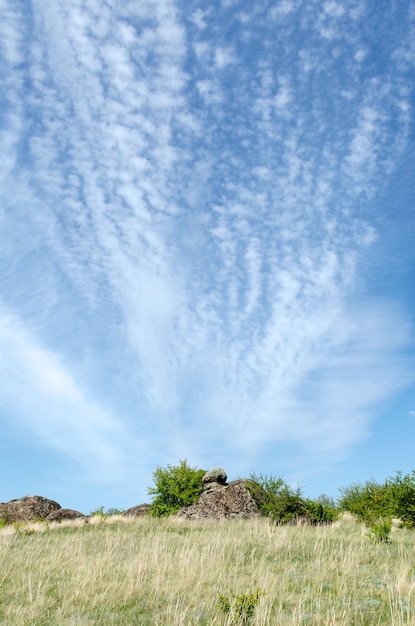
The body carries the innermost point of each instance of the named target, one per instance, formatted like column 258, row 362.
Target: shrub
column 114, row 511
column 373, row 501
column 175, row 487
column 368, row 502
column 380, row 530
column 100, row 512
column 284, row 504
column 241, row 608
column 276, row 499
column 321, row 512
column 400, row 495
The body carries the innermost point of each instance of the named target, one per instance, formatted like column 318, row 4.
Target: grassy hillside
column 166, row 572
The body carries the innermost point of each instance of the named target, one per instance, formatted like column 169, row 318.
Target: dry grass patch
column 167, row 572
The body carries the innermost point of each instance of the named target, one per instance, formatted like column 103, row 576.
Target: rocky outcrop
column 61, row 514
column 231, row 500
column 27, row 509
column 138, row 511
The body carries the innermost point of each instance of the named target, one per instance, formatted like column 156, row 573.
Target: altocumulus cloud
column 190, row 195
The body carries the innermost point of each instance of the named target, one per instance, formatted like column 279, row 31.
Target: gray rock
column 209, row 487
column 233, row 501
column 216, row 475
column 60, row 514
column 138, row 511
column 27, row 509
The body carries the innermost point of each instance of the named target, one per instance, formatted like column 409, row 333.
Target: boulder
column 27, row 509
column 138, row 511
column 216, row 475
column 214, row 480
column 60, row 514
column 232, row 501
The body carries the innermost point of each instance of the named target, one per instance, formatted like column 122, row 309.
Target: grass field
column 166, row 572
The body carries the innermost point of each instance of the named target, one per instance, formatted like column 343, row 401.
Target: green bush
column 241, row 608
column 276, row 499
column 400, row 495
column 285, row 505
column 321, row 511
column 175, row 487
column 374, row 501
column 380, row 530
column 368, row 502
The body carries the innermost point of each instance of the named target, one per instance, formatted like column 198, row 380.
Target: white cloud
column 223, row 57
column 45, row 400
column 198, row 18
column 360, row 54
column 334, row 9
column 281, row 9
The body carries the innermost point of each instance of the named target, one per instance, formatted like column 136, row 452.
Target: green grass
column 167, row 572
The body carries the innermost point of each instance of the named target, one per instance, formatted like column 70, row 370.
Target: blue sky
column 206, row 217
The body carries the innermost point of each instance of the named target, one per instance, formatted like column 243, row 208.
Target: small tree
column 175, row 487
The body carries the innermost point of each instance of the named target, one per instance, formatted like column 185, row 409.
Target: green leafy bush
column 175, row 487
column 239, row 608
column 368, row 502
column 380, row 530
column 375, row 501
column 400, row 495
column 321, row 512
column 284, row 504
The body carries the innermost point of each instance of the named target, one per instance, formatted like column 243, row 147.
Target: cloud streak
column 43, row 396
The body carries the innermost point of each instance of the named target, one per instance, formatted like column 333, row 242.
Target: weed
column 100, row 512
column 239, row 608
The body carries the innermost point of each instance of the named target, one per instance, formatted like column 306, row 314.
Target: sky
column 207, row 243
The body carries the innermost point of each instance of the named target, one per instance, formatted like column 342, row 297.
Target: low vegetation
column 170, row 572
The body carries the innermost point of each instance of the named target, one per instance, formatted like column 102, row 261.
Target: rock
column 231, row 501
column 216, row 475
column 138, row 511
column 27, row 509
column 60, row 514
column 214, row 480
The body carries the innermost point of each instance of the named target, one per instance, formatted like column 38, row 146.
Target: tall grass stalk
column 169, row 572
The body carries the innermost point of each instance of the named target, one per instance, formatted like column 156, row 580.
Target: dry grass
column 171, row 572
